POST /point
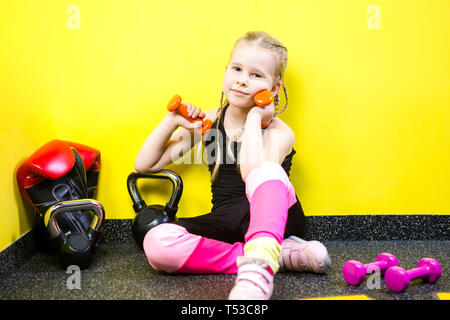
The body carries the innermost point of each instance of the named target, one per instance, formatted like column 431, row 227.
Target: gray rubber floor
column 121, row 271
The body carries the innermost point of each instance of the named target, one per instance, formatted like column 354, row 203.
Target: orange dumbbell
column 180, row 108
column 262, row 99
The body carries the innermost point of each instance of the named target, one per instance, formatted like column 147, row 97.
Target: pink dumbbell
column 398, row 279
column 355, row 272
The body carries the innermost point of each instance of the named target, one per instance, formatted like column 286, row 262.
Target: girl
column 256, row 222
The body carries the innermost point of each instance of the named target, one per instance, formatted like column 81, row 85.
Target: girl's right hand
column 194, row 113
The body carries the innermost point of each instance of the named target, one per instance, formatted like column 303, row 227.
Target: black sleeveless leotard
column 230, row 214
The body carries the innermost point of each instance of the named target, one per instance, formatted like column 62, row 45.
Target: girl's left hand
column 266, row 113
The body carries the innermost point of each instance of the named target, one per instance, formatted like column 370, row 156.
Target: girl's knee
column 265, row 172
column 168, row 245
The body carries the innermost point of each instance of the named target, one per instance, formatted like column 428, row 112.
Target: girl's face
column 250, row 70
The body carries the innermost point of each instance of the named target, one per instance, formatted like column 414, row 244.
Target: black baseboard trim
column 339, row 228
column 378, row 227
column 322, row 228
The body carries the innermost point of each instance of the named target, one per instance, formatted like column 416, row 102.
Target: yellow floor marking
column 443, row 295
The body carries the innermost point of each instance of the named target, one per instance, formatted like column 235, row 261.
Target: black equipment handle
column 171, row 205
column 71, row 205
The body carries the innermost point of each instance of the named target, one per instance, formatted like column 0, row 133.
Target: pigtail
column 223, row 105
column 277, row 99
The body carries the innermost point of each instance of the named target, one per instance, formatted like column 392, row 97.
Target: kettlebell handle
column 71, row 205
column 171, row 205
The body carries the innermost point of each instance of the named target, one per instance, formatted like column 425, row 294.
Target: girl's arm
column 165, row 144
column 252, row 150
column 276, row 143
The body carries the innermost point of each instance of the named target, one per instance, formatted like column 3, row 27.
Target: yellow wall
column 369, row 106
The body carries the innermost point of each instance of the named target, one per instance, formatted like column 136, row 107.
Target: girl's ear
column 276, row 88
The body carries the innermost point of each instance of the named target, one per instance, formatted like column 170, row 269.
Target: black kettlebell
column 75, row 248
column 148, row 217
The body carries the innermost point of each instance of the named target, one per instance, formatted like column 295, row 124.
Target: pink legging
column 171, row 248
